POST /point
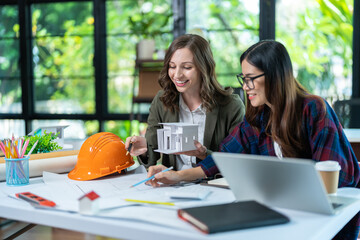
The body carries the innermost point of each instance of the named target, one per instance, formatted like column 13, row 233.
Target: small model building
column 176, row 137
column 89, row 203
column 51, row 129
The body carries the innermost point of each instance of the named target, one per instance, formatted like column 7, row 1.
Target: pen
column 129, row 149
column 147, row 179
column 150, row 202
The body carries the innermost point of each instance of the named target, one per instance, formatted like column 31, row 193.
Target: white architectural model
column 51, row 129
column 176, row 137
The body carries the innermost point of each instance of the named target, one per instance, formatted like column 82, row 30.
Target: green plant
column 150, row 24
column 45, row 143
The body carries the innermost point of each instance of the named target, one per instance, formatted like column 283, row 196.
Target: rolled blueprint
column 59, row 164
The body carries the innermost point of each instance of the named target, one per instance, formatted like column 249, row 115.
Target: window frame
column 266, row 31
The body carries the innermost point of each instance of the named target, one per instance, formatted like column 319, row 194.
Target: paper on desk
column 217, row 196
column 2, row 194
column 37, row 189
column 167, row 216
column 159, row 216
column 114, row 189
column 40, row 190
column 66, row 192
column 113, row 186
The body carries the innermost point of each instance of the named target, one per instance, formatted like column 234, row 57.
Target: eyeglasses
column 249, row 81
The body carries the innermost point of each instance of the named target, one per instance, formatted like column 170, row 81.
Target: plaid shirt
column 326, row 140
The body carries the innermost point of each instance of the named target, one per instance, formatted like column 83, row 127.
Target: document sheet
column 113, row 192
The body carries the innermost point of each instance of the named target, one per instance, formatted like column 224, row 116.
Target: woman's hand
column 172, row 177
column 199, row 152
column 138, row 145
column 169, row 177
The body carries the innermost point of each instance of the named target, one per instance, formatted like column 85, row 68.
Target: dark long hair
column 210, row 88
column 285, row 94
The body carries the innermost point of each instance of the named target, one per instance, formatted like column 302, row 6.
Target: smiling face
column 183, row 72
column 257, row 95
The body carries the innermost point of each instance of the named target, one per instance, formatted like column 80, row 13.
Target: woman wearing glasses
column 283, row 119
column 190, row 94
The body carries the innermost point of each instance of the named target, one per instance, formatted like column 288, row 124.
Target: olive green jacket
column 219, row 123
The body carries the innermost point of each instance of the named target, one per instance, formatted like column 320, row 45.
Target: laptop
column 286, row 183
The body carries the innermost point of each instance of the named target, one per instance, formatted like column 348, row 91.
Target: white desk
column 353, row 134
column 302, row 226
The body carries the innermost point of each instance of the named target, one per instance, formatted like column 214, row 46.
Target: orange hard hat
column 100, row 155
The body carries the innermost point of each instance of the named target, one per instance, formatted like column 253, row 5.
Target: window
column 129, row 22
column 230, row 26
column 318, row 35
column 77, row 47
column 63, row 51
column 10, row 127
column 10, row 84
column 120, row 128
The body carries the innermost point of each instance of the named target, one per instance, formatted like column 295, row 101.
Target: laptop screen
column 286, row 183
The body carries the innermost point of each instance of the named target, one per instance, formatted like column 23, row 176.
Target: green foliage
column 45, row 143
column 64, row 65
column 320, row 41
column 10, row 91
column 63, row 47
column 150, row 24
column 120, row 128
column 230, row 29
column 121, row 42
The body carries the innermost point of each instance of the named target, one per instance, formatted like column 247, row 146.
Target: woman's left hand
column 199, row 152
